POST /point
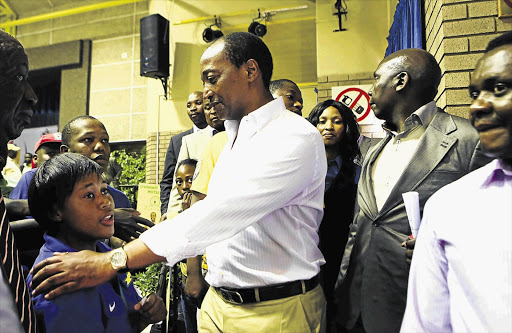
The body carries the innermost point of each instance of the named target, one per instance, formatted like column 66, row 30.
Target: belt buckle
column 228, row 296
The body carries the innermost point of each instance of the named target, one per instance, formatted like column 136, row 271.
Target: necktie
column 214, row 132
column 11, row 262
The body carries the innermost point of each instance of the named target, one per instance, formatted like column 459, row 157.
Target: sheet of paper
column 412, row 207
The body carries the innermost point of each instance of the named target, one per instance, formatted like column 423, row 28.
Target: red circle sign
column 352, row 103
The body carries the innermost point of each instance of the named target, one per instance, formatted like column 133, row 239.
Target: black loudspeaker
column 154, row 46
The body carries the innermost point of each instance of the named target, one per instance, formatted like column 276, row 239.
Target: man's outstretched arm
column 68, row 272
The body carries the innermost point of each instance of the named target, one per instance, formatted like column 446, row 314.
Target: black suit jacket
column 171, row 159
column 375, row 284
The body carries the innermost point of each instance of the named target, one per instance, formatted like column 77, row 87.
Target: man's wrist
column 119, row 259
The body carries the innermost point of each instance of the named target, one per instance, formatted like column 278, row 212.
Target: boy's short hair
column 67, row 131
column 53, row 183
column 279, row 84
column 187, row 161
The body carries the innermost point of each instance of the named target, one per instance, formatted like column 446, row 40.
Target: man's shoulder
column 462, row 125
column 466, row 185
column 179, row 136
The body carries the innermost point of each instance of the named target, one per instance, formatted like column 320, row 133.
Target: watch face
column 118, row 259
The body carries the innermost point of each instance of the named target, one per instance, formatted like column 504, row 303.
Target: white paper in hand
column 412, row 207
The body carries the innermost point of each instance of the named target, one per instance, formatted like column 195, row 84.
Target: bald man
column 425, row 149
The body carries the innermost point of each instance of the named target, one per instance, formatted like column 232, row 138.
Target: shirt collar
column 208, row 129
column 497, row 174
column 195, row 129
column 337, row 160
column 422, row 116
column 55, row 245
column 256, row 119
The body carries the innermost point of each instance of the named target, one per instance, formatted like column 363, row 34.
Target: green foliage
column 147, row 281
column 133, row 172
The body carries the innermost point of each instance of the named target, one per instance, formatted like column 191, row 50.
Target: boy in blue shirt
column 69, row 199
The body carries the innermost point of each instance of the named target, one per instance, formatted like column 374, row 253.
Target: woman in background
column 340, row 132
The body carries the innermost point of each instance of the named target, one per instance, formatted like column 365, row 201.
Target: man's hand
column 128, row 224
column 187, row 197
column 195, row 285
column 409, row 245
column 151, row 309
column 67, row 272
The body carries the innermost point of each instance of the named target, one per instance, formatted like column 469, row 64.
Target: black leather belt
column 278, row 291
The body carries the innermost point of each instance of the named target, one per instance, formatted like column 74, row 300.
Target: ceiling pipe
column 66, row 12
column 241, row 13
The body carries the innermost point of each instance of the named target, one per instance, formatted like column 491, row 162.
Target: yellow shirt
column 209, row 157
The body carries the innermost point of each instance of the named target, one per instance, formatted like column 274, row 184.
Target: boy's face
column 90, row 138
column 45, row 152
column 88, row 213
column 292, row 97
column 184, row 177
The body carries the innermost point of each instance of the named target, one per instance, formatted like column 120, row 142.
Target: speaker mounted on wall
column 154, row 47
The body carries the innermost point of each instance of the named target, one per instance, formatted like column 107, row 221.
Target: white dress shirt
column 461, row 272
column 260, row 219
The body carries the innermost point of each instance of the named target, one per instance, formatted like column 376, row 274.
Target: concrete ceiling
column 24, row 8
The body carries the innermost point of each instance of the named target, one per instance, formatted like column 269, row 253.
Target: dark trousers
column 189, row 311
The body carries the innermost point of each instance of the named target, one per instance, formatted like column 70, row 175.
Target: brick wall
column 151, row 146
column 457, row 32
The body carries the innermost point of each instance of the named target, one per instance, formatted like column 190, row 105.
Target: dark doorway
column 46, row 85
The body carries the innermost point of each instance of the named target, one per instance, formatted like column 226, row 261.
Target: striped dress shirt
column 260, row 219
column 14, row 273
column 461, row 273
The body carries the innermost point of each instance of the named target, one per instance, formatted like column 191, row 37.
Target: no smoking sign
column 357, row 99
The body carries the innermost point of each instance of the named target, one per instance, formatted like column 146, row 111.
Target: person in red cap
column 46, row 147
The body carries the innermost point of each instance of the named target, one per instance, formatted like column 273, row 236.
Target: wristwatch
column 118, row 259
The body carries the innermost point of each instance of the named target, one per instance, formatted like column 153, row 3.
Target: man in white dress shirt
column 458, row 283
column 259, row 221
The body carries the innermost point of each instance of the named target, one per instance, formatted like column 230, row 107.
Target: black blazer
column 171, row 159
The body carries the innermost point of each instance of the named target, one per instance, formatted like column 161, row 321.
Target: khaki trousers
column 296, row 314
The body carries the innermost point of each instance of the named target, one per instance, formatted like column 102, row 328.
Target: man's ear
column 64, row 149
column 252, row 69
column 401, row 79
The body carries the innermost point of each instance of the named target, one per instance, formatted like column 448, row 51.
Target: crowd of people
column 279, row 223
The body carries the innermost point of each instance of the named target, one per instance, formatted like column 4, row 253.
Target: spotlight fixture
column 257, row 29
column 212, row 32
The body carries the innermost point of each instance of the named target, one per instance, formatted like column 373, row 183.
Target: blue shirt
column 333, row 167
column 89, row 310
column 21, row 189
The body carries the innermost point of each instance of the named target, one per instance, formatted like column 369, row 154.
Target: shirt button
column 375, row 224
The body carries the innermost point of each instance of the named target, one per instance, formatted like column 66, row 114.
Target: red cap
column 53, row 137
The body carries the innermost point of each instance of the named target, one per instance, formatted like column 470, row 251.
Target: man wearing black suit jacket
column 196, row 113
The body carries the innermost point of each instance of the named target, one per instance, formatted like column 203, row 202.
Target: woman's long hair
column 348, row 148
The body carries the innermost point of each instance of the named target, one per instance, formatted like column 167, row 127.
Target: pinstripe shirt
column 260, row 219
